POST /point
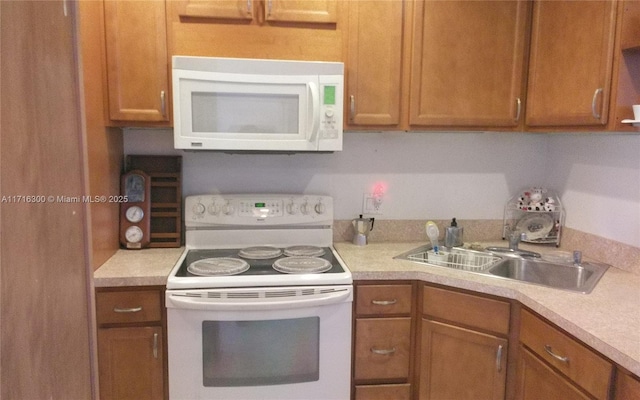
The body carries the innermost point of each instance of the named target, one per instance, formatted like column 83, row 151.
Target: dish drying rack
column 538, row 212
column 462, row 259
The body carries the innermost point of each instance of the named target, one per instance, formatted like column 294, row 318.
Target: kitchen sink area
column 558, row 273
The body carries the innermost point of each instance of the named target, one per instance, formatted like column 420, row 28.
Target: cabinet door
column 223, row 9
column 570, row 63
column 137, row 60
column 130, row 363
column 467, row 67
column 374, row 64
column 319, row 11
column 457, row 363
column 535, row 380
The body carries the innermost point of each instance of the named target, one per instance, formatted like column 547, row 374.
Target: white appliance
column 233, row 104
column 259, row 304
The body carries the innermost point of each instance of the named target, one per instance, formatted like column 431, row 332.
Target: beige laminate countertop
column 607, row 319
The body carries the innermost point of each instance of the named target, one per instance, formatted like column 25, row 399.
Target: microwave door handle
column 314, row 101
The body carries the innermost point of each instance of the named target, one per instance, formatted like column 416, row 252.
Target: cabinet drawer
column 123, row 307
column 383, row 299
column 583, row 366
column 382, row 348
column 383, row 392
column 467, row 309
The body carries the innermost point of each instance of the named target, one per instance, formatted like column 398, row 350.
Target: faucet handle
column 577, row 257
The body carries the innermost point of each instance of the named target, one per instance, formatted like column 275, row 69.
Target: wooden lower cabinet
column 464, row 346
column 383, row 349
column 627, row 386
column 131, row 343
column 577, row 364
column 130, row 363
column 458, row 363
column 536, row 380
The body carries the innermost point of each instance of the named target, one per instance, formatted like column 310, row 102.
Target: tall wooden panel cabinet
column 467, row 63
column 44, row 303
column 570, row 63
column 137, row 62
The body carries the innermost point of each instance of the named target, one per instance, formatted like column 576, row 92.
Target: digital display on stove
column 259, row 205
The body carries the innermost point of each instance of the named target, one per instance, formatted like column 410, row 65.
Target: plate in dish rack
column 535, row 226
column 218, row 266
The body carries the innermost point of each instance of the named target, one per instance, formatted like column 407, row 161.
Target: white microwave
column 233, row 104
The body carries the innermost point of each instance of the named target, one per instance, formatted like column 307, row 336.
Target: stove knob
column 320, row 208
column 291, row 208
column 228, row 209
column 198, row 209
column 305, row 208
column 213, row 209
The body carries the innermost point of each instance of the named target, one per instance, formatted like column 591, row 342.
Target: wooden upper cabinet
column 570, row 63
column 137, row 63
column 224, row 9
column 318, row 11
column 467, row 64
column 374, row 63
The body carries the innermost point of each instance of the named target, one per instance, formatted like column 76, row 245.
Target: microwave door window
column 245, row 113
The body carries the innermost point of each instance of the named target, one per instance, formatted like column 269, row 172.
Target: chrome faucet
column 514, row 239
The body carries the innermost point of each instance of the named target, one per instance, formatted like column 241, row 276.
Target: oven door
column 260, row 343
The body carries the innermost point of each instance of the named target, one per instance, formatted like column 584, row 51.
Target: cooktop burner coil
column 304, row 251
column 260, row 252
column 302, row 265
column 218, row 266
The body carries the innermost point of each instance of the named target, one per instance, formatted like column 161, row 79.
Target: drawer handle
column 127, row 310
column 383, row 352
column 384, row 302
column 549, row 350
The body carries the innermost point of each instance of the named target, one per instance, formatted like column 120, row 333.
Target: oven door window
column 258, row 353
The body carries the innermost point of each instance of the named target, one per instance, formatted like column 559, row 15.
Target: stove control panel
column 257, row 209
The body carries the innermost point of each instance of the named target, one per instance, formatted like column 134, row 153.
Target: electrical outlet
column 372, row 204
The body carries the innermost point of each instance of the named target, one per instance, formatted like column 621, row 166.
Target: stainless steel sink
column 559, row 275
column 580, row 278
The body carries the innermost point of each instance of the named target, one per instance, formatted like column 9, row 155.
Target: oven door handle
column 184, row 301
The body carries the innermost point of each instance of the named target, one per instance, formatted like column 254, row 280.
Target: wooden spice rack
column 166, row 196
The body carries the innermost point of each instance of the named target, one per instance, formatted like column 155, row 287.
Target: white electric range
column 259, row 304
